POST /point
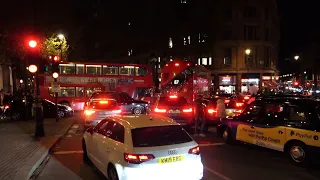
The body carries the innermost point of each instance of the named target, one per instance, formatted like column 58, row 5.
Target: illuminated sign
column 226, row 79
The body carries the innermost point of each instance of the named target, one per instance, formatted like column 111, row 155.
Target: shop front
column 250, row 83
column 270, row 82
column 227, row 84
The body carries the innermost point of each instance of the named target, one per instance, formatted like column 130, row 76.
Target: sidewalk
column 20, row 152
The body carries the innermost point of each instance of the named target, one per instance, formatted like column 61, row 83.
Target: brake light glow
column 173, row 97
column 118, row 111
column 226, row 101
column 89, row 112
column 103, row 102
column 188, row 64
column 195, row 150
column 246, row 98
column 211, row 111
column 239, row 104
column 238, row 111
column 137, row 158
column 160, row 110
column 187, row 110
column 176, row 64
column 6, row 107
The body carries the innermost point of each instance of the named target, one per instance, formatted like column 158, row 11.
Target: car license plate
column 174, row 111
column 170, row 159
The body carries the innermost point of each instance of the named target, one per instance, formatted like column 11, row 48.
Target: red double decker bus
column 79, row 80
column 185, row 79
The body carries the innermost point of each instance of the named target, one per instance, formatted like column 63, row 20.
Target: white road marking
column 68, row 152
column 217, row 173
column 213, row 144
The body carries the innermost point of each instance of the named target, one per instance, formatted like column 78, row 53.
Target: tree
column 52, row 47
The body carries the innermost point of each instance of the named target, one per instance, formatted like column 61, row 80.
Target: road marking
column 216, row 173
column 213, row 144
column 68, row 152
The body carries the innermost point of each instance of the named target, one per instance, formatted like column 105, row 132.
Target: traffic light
column 33, row 44
column 55, row 63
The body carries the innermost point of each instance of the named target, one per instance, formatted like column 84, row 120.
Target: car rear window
column 106, row 95
column 180, row 101
column 159, row 136
column 105, row 104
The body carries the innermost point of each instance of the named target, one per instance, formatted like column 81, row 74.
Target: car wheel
column 227, row 136
column 85, row 154
column 60, row 114
column 112, row 173
column 298, row 152
column 137, row 111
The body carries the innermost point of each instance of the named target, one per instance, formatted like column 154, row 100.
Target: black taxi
column 290, row 125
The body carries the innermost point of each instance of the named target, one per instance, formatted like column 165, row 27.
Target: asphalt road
column 221, row 161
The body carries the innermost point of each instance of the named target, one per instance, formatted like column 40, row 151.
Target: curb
column 45, row 152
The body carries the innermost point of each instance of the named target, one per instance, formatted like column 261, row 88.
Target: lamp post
column 38, row 106
column 55, row 76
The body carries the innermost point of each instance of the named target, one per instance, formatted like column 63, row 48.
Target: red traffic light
column 56, row 58
column 33, row 43
column 296, row 83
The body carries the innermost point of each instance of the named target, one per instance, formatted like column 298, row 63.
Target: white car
column 142, row 147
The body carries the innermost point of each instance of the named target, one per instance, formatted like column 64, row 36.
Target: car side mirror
column 90, row 130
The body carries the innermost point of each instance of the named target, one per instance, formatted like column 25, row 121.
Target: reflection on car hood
column 62, row 106
column 139, row 102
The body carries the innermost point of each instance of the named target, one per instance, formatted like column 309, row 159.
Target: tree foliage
column 52, row 47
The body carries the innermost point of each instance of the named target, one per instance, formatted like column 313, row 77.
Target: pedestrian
column 199, row 115
column 221, row 109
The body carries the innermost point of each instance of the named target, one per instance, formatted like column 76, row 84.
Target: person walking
column 221, row 109
column 199, row 116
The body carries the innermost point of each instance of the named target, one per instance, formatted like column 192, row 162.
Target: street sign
column 55, row 87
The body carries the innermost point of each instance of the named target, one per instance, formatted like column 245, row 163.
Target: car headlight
column 69, row 109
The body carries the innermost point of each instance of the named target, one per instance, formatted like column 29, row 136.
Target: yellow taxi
column 290, row 125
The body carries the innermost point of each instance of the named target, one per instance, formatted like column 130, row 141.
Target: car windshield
column 105, row 95
column 159, row 136
column 104, row 104
column 179, row 101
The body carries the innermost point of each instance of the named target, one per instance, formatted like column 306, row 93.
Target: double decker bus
column 185, row 79
column 79, row 80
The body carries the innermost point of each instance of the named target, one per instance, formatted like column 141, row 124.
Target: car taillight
column 187, row 110
column 103, row 102
column 226, row 101
column 246, row 98
column 173, row 97
column 160, row 110
column 211, row 111
column 118, row 111
column 137, row 158
column 239, row 104
column 89, row 112
column 195, row 150
column 6, row 107
column 238, row 111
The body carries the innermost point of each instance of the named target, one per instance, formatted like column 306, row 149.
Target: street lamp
column 61, row 36
column 296, row 57
column 248, row 52
column 55, row 75
column 38, row 106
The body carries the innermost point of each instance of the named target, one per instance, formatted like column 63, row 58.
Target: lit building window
column 183, row 1
column 189, row 40
column 202, row 37
column 129, row 52
column 204, row 61
column 184, row 41
column 170, row 42
column 199, row 61
column 210, row 60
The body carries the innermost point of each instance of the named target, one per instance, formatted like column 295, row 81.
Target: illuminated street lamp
column 61, row 36
column 33, row 68
column 296, row 57
column 55, row 75
column 248, row 52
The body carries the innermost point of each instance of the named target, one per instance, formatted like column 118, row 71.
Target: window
column 166, row 101
column 127, row 70
column 141, row 71
column 274, row 114
column 67, row 92
column 210, row 60
column 111, row 105
column 183, row 1
column 93, row 69
column 91, row 90
column 250, row 12
column 296, row 114
column 170, row 43
column 202, row 37
column 251, row 112
column 266, row 34
column 227, row 59
column 251, row 32
column 79, row 68
column 79, row 91
column 67, row 68
column 117, row 132
column 159, row 136
column 204, row 61
column 267, row 61
column 110, row 70
column 110, row 95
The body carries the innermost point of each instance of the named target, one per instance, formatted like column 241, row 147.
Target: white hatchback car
column 142, row 147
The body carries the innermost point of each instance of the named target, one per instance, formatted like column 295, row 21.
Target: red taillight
column 89, row 112
column 176, row 64
column 246, row 98
column 6, row 107
column 226, row 101
column 187, row 110
column 238, row 111
column 188, row 64
column 118, row 111
column 211, row 111
column 160, row 110
column 173, row 97
column 137, row 158
column 195, row 150
column 239, row 104
column 103, row 102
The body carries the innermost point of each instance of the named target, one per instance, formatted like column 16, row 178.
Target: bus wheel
column 137, row 111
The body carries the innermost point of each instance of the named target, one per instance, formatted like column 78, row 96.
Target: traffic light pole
column 56, row 101
column 39, row 110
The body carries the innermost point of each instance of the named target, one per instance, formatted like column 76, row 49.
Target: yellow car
column 290, row 125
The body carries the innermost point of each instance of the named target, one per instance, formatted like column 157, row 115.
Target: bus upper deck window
column 126, row 70
column 67, row 68
column 79, row 68
column 93, row 69
column 110, row 70
column 141, row 71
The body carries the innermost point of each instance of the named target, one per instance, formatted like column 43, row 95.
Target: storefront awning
column 270, row 84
